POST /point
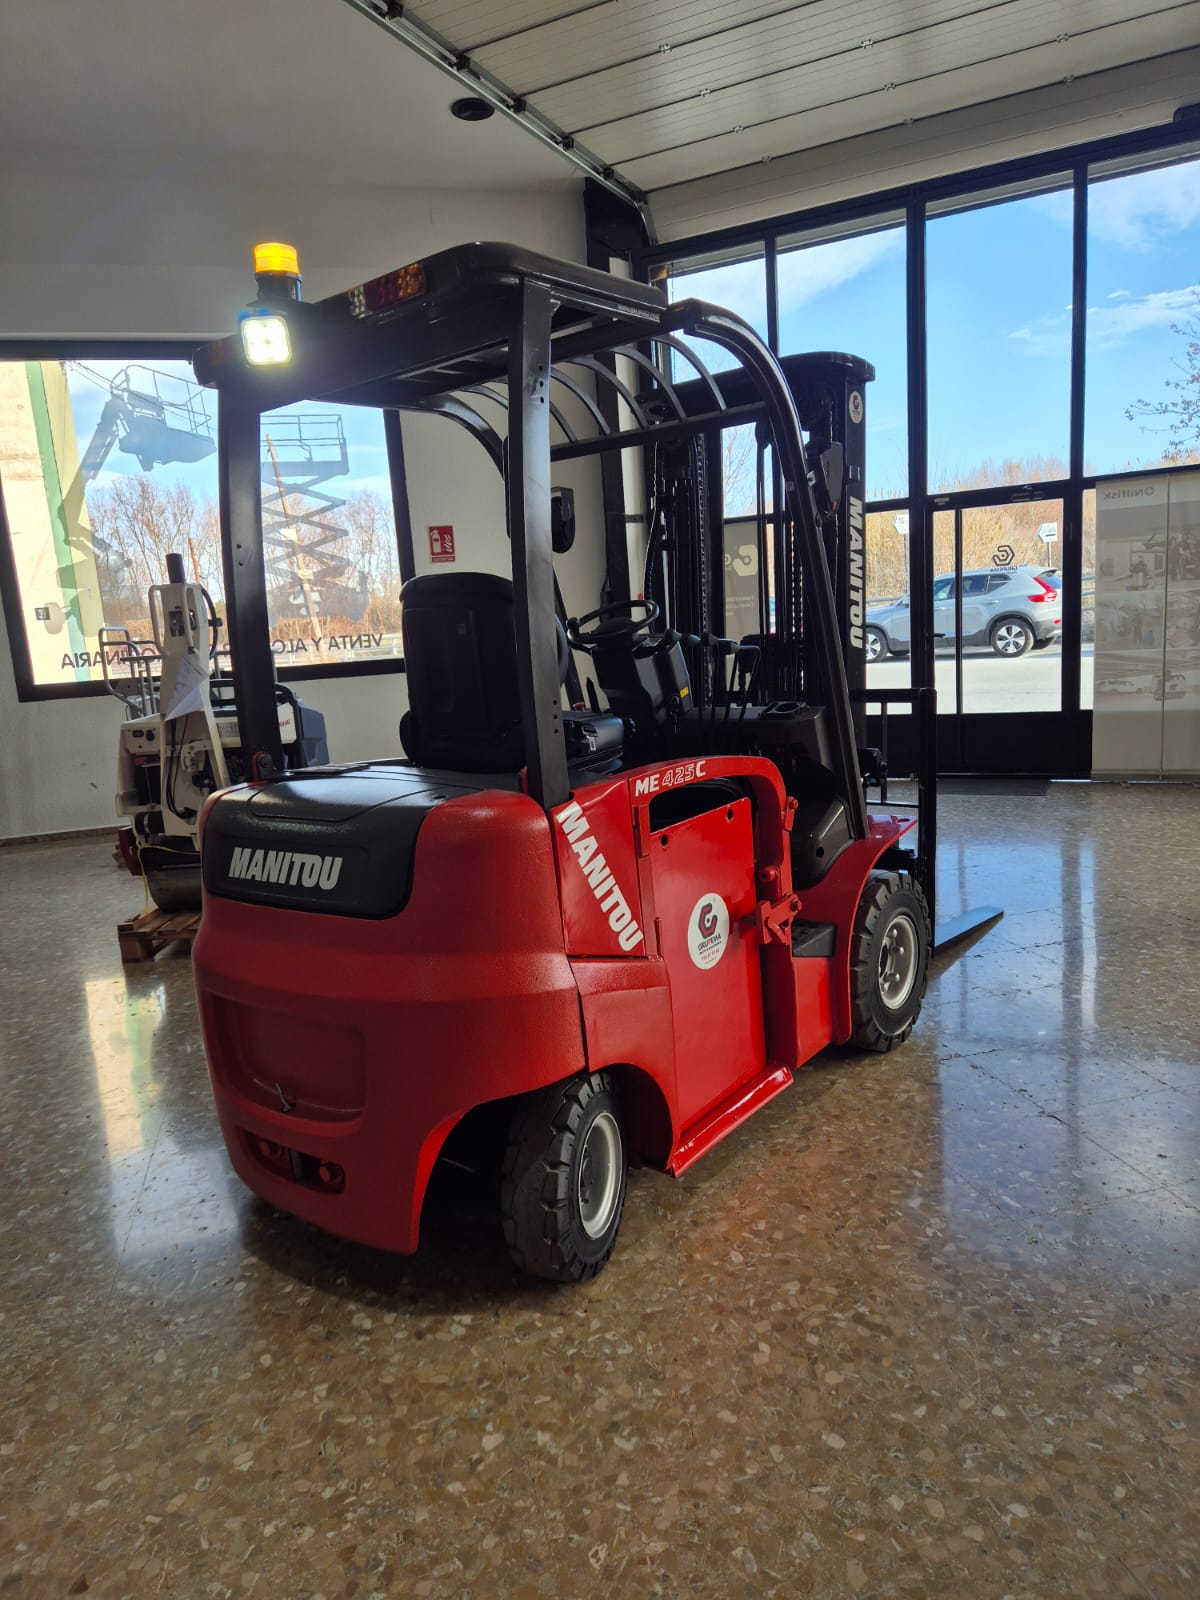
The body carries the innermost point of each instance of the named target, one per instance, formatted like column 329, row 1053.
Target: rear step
column 727, row 1116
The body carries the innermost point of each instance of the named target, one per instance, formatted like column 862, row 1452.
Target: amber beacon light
column 266, row 340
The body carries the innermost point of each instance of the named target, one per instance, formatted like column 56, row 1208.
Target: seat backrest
column 460, row 659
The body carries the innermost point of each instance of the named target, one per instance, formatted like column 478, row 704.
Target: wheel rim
column 874, row 647
column 898, row 957
column 1010, row 639
column 599, row 1181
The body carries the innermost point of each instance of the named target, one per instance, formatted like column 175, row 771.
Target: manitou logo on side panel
column 285, row 866
column 599, row 876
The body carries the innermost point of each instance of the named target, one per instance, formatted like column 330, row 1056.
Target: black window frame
column 1059, row 753
column 131, row 350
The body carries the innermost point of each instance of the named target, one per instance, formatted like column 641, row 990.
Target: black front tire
column 563, row 1186
column 889, row 961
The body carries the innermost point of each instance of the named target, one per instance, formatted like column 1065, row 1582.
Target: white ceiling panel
column 990, row 40
column 844, row 118
column 669, row 91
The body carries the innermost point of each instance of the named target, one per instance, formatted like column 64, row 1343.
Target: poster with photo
column 1147, row 672
column 1180, row 684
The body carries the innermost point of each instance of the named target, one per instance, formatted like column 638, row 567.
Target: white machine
column 180, row 742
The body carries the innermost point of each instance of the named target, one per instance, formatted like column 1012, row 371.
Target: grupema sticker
column 708, row 930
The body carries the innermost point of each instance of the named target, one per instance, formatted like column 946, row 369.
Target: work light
column 265, row 338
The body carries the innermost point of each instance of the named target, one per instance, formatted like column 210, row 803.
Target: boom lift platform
column 606, row 933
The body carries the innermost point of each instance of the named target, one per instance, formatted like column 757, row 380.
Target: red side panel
column 380, row 1033
column 704, row 899
column 835, row 899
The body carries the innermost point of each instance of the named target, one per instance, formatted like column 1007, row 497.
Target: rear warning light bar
column 404, row 284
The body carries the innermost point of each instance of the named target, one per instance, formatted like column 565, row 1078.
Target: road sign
column 1048, row 532
column 900, row 523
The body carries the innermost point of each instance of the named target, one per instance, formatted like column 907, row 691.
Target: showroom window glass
column 1143, row 317
column 847, row 292
column 106, row 466
column 735, row 284
column 998, row 320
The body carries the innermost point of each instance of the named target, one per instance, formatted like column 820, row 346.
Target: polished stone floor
column 929, row 1326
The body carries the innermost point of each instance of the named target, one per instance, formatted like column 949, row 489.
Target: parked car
column 1012, row 609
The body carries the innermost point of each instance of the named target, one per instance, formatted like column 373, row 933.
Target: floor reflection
column 926, row 1326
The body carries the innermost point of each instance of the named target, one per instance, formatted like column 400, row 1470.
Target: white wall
column 82, row 256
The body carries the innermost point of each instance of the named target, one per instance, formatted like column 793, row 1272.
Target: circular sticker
column 856, row 406
column 708, row 930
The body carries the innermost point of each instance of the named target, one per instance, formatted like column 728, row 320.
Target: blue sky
column 999, row 320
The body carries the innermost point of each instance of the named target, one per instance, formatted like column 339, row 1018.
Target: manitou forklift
column 604, row 926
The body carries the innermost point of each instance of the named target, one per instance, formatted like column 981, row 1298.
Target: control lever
column 745, row 667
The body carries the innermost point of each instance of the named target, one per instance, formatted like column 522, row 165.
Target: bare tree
column 371, row 548
column 137, row 523
column 1178, row 416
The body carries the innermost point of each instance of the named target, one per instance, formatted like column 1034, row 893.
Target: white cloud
column 740, row 287
column 1139, row 211
column 1111, row 325
column 805, row 274
column 1047, row 336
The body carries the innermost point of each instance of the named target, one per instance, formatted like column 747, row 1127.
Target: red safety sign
column 441, row 544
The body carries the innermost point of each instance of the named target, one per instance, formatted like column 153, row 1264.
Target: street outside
column 1032, row 682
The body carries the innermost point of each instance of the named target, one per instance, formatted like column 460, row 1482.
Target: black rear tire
column 174, row 888
column 889, row 961
column 563, row 1186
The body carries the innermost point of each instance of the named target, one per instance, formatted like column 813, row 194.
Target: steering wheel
column 614, row 624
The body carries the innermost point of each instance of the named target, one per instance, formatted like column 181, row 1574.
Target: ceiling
column 664, row 92
column 296, row 90
column 668, row 91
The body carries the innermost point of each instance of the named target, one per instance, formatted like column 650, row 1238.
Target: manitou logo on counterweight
column 857, row 567
column 285, row 866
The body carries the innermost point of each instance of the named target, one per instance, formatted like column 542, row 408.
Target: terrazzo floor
column 927, row 1326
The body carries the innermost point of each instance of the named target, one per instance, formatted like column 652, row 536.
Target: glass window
column 847, row 292
column 738, row 284
column 998, row 315
column 1143, row 320
column 106, row 466
column 888, row 636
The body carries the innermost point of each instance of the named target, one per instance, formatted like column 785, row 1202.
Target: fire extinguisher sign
column 441, row 544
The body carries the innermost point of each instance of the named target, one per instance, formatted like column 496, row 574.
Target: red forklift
column 604, row 925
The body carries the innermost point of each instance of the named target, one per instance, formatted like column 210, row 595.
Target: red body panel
column 703, row 872
column 531, row 948
column 464, row 997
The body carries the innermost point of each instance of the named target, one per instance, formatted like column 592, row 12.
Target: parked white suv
column 1012, row 609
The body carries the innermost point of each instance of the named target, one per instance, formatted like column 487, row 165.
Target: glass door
column 998, row 625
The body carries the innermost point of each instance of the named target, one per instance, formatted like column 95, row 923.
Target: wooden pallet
column 146, row 935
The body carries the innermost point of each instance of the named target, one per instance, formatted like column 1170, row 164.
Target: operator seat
column 460, row 658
